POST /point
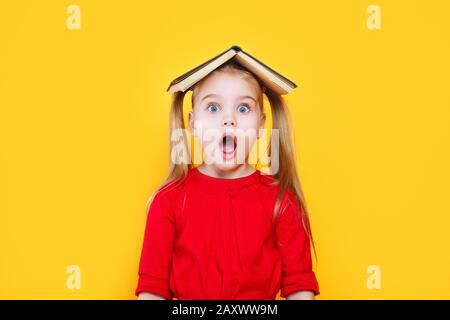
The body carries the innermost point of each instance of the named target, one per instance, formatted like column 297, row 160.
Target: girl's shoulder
column 271, row 188
column 269, row 183
column 268, row 180
column 171, row 188
column 166, row 193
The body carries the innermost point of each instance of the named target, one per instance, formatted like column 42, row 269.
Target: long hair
column 286, row 175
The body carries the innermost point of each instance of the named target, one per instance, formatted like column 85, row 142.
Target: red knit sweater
column 214, row 238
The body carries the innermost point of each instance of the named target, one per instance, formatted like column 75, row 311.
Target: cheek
column 249, row 123
column 249, row 127
column 208, row 132
column 208, row 120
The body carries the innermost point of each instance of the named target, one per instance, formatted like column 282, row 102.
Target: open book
column 269, row 77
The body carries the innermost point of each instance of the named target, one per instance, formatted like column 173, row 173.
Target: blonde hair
column 286, row 176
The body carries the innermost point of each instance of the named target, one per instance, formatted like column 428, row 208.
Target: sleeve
column 157, row 249
column 293, row 244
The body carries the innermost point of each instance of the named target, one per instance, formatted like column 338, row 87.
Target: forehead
column 225, row 85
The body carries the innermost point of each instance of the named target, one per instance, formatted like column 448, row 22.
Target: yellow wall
column 83, row 127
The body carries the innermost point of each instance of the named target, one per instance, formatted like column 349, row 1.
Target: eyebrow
column 216, row 95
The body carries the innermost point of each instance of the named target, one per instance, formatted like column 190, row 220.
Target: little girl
column 224, row 230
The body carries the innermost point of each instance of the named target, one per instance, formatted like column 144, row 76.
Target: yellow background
column 84, row 121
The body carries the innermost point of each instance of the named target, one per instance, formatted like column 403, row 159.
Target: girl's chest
column 202, row 221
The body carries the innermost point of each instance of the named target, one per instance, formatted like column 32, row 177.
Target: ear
column 191, row 123
column 262, row 123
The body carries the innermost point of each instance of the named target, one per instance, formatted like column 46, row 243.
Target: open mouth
column 228, row 145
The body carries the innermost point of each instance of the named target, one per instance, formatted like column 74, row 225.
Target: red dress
column 214, row 238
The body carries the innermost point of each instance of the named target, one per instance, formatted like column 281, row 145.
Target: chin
column 228, row 167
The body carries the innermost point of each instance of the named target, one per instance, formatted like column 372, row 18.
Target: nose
column 229, row 117
column 229, row 122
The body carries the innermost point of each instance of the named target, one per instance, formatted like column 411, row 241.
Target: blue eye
column 213, row 108
column 243, row 108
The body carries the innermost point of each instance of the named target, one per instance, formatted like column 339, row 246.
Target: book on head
column 269, row 77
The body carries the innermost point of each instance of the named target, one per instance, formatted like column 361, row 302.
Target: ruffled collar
column 233, row 187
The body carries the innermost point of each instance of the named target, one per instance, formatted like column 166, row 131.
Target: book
column 268, row 76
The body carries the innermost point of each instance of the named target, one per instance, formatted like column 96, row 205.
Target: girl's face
column 226, row 118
